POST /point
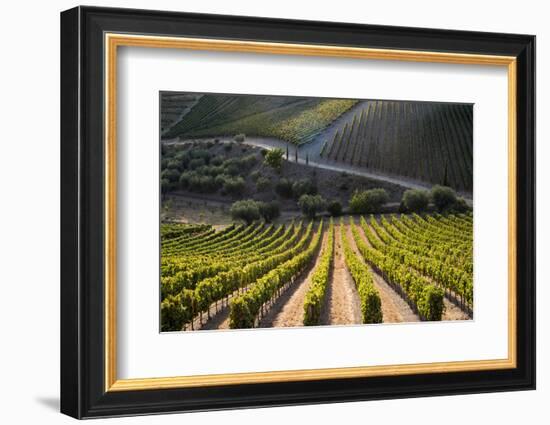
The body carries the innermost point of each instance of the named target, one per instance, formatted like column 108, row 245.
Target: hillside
column 294, row 119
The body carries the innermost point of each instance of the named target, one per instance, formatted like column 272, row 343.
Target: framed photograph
column 261, row 212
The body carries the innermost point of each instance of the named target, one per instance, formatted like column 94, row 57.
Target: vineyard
column 425, row 141
column 397, row 268
column 293, row 119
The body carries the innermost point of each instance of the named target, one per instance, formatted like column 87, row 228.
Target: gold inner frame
column 113, row 41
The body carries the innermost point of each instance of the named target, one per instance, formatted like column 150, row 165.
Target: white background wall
column 29, row 225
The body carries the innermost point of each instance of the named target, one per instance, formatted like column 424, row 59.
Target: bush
column 284, row 188
column 196, row 163
column 334, row 208
column 165, row 186
column 274, row 158
column 227, row 147
column 184, row 179
column 234, row 186
column 200, row 153
column 269, row 210
column 311, row 204
column 239, row 138
column 415, row 200
column 368, row 201
column 262, row 184
column 232, row 166
column 199, row 183
column 248, row 161
column 303, row 187
column 443, row 197
column 460, row 206
column 171, row 175
column 247, row 210
column 217, row 161
column 174, row 164
column 254, row 175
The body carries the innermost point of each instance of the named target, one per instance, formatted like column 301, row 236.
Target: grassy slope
column 294, row 119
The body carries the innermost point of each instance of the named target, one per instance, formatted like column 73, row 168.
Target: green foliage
column 246, row 308
column 303, row 187
column 311, row 205
column 274, row 158
column 334, row 208
column 255, row 175
column 269, row 210
column 165, row 185
column 234, row 186
column 284, row 188
column 246, row 210
column 316, row 293
column 425, row 141
column 371, row 306
column 460, row 206
column 239, row 138
column 368, row 201
column 196, row 163
column 171, row 175
column 262, row 184
column 415, row 200
column 443, row 197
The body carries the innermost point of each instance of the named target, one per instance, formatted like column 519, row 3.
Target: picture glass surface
column 285, row 211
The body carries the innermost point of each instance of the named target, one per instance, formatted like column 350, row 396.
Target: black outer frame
column 82, row 212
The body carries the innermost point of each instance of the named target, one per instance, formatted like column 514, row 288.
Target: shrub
column 443, row 197
column 247, row 210
column 239, row 138
column 303, row 187
column 311, row 204
column 274, row 158
column 196, row 163
column 460, row 206
column 415, row 200
column 227, row 147
column 254, row 175
column 284, row 188
column 184, row 179
column 232, row 166
column 165, row 185
column 248, row 161
column 269, row 210
column 200, row 183
column 174, row 164
column 234, row 186
column 200, row 153
column 368, row 201
column 171, row 175
column 262, row 184
column 334, row 208
column 217, row 161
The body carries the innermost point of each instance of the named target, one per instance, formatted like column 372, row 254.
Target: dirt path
column 288, row 310
column 342, row 305
column 453, row 312
column 394, row 308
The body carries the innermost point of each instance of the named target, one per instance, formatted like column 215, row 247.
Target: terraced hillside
column 293, row 119
column 424, row 141
column 174, row 107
